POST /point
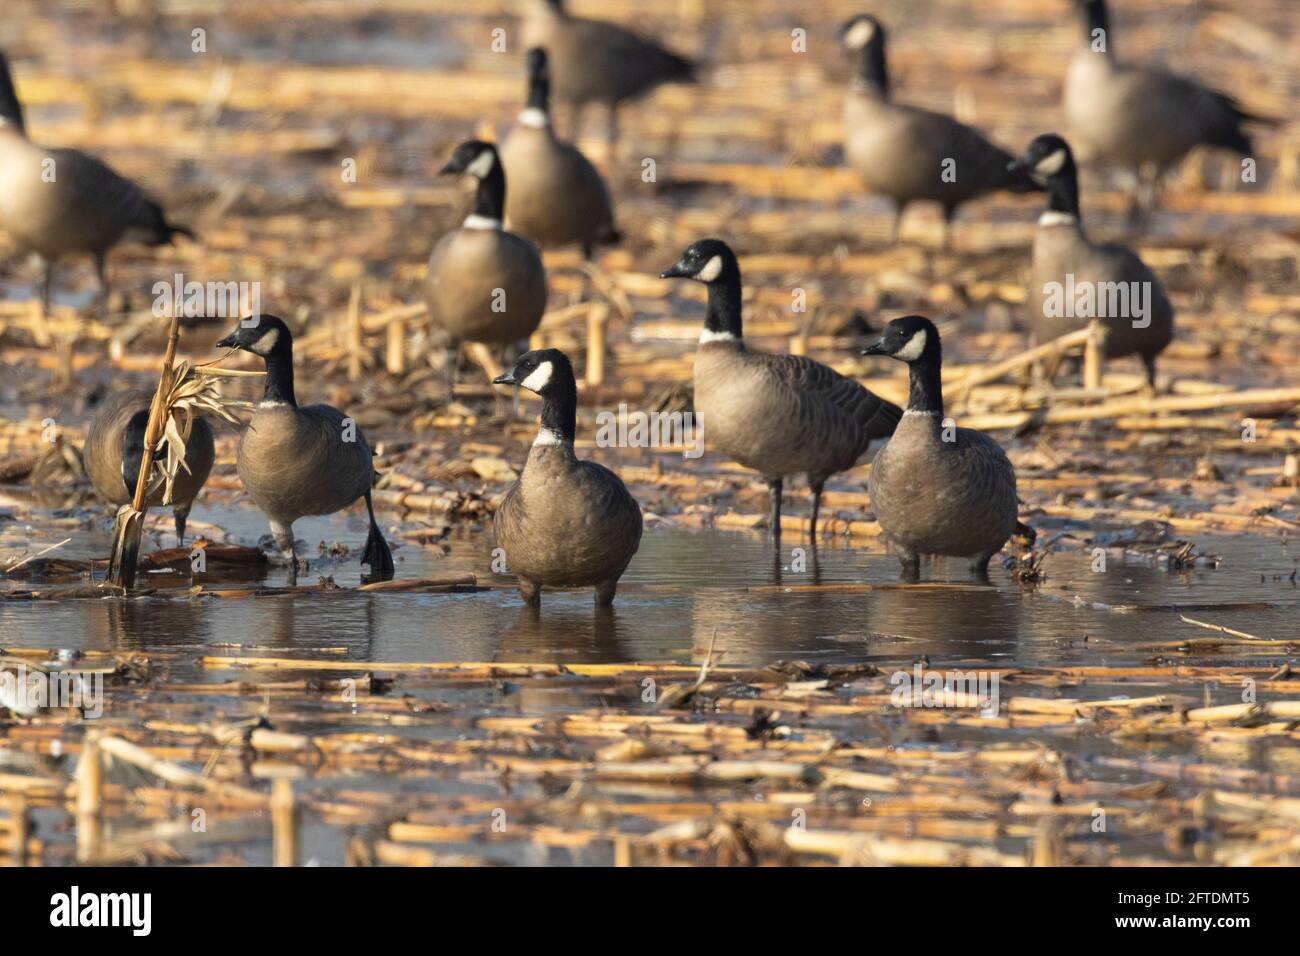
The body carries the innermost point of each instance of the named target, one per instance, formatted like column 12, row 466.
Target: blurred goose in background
column 935, row 488
column 781, row 415
column 1142, row 118
column 294, row 461
column 908, row 153
column 484, row 284
column 565, row 522
column 555, row 196
column 597, row 62
column 1126, row 295
column 60, row 201
column 115, row 447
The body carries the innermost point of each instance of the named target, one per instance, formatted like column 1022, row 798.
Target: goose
column 484, row 284
column 55, row 202
column 297, row 461
column 25, row 687
column 598, row 62
column 781, row 415
column 115, row 446
column 1137, row 314
column 556, row 196
column 937, row 489
column 565, row 522
column 908, row 153
column 1143, row 118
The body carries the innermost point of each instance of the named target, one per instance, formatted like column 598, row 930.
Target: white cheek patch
column 860, row 34
column 1050, row 165
column 538, row 379
column 266, row 342
column 482, row 164
column 914, row 347
column 712, row 269
column 534, row 118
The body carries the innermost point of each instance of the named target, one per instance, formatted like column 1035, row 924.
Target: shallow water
column 681, row 589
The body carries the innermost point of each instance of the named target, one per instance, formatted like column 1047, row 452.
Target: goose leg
column 283, row 535
column 449, row 371
column 46, row 284
column 605, row 592
column 101, row 272
column 946, row 235
column 816, row 507
column 774, row 491
column 897, row 227
column 377, row 554
column 979, row 566
column 911, row 562
column 530, row 591
column 1150, row 362
column 181, row 513
column 611, row 134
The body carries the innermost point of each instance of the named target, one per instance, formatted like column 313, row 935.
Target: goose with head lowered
column 1142, row 117
column 114, row 452
column 58, row 202
column 484, row 284
column 298, row 461
column 1075, row 280
column 781, row 415
column 556, row 196
column 566, row 523
column 907, row 153
column 597, row 62
column 937, row 489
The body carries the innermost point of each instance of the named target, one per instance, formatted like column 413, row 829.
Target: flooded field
column 1121, row 693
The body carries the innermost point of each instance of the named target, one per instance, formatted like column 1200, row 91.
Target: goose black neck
column 539, row 93
column 1096, row 17
column 490, row 197
column 10, row 108
column 723, row 311
column 560, row 409
column 925, row 386
column 1063, row 189
column 279, row 374
column 873, row 73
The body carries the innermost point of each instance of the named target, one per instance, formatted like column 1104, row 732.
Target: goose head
column 707, row 261
column 260, row 334
column 474, row 157
column 1047, row 156
column 909, row 339
column 546, row 372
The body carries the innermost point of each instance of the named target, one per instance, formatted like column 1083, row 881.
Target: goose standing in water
column 935, row 488
column 566, row 522
column 296, row 461
column 781, row 415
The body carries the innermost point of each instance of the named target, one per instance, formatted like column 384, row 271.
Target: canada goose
column 297, row 461
column 909, row 153
column 115, row 446
column 936, row 488
column 484, row 284
column 1124, row 294
column 60, row 201
column 597, row 62
column 556, row 196
column 565, row 522
column 1143, row 118
column 781, row 415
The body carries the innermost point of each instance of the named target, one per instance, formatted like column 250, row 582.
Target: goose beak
column 678, row 271
column 228, row 342
column 448, row 168
column 877, row 349
column 1019, row 165
column 506, row 378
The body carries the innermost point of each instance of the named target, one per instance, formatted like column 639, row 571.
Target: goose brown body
column 598, row 62
column 785, row 415
column 567, row 522
column 295, row 462
column 104, row 451
column 945, row 497
column 466, row 270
